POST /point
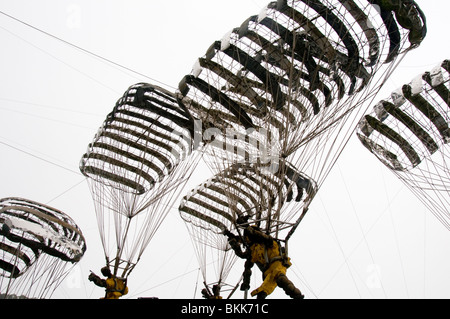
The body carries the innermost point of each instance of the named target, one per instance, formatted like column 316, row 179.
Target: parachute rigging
column 37, row 241
column 285, row 81
column 409, row 133
column 133, row 167
column 242, row 195
column 286, row 86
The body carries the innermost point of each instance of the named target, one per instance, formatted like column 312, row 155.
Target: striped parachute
column 293, row 73
column 287, row 86
column 36, row 243
column 134, row 164
column 242, row 195
column 409, row 133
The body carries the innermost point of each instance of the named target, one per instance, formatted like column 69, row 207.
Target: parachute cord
column 82, row 49
column 41, row 158
column 196, row 283
column 359, row 223
column 424, row 253
column 234, row 288
column 120, row 250
column 207, row 288
column 343, row 253
column 402, row 267
column 297, row 272
column 305, row 210
column 165, row 282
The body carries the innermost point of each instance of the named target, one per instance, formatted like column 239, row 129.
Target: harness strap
column 115, row 289
column 282, row 257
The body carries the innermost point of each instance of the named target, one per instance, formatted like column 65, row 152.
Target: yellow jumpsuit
column 115, row 288
column 261, row 255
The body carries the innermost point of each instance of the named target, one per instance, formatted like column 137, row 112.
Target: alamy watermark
column 73, row 20
column 250, row 145
column 373, row 280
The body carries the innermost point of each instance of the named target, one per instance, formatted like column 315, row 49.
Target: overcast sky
column 365, row 235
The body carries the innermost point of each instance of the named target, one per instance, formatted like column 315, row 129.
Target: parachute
column 409, row 133
column 36, row 243
column 242, row 195
column 277, row 98
column 286, row 86
column 293, row 72
column 133, row 166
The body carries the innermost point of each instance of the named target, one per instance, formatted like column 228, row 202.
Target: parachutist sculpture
column 215, row 292
column 267, row 254
column 115, row 287
column 283, row 82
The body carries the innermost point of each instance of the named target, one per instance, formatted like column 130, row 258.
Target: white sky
column 365, row 235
